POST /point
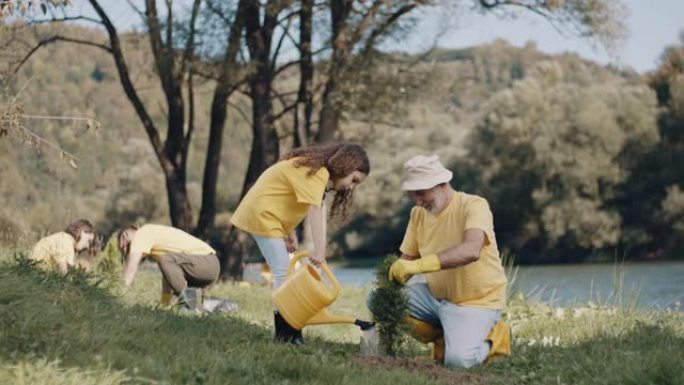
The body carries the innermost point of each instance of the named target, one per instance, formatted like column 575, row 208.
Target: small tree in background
column 550, row 155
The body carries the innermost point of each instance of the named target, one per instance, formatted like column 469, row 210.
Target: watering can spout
column 364, row 325
column 325, row 317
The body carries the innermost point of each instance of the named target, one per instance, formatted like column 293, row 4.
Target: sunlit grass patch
column 82, row 329
column 592, row 345
column 40, row 371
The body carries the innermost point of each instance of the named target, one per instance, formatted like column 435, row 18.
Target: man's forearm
column 464, row 253
column 460, row 255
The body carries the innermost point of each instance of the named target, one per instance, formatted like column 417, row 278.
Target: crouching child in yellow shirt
column 58, row 251
column 184, row 261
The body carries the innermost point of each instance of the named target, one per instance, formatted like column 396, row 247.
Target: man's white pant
column 465, row 328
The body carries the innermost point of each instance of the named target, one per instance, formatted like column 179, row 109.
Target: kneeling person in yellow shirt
column 58, row 251
column 450, row 238
column 183, row 260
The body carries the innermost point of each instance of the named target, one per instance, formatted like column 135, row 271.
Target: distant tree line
column 576, row 165
column 236, row 47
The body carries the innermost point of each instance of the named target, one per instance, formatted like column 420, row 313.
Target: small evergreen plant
column 389, row 306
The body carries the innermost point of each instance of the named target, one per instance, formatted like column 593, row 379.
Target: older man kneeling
column 450, row 238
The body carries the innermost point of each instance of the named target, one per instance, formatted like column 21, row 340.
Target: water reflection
column 651, row 285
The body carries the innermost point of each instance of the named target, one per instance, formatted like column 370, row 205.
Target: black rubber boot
column 284, row 332
column 297, row 338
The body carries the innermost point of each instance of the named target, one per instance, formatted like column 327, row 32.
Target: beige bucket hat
column 424, row 172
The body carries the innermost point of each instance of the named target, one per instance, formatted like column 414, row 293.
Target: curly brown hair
column 340, row 159
column 74, row 229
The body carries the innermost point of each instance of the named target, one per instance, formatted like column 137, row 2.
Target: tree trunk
column 265, row 144
column 211, row 164
column 304, row 109
column 329, row 116
column 179, row 204
column 219, row 112
column 329, row 119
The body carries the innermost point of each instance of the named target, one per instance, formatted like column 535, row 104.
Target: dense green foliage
column 562, row 150
column 575, row 158
column 651, row 201
column 578, row 162
column 389, row 305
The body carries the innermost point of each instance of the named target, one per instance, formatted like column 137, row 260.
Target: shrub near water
column 389, row 306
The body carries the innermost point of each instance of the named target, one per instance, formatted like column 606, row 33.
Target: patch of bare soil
column 427, row 369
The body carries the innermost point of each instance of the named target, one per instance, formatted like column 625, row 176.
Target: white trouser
column 276, row 255
column 465, row 328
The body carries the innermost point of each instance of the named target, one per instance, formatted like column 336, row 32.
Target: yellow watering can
column 303, row 298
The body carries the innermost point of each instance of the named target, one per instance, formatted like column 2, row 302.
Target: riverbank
column 655, row 285
column 69, row 331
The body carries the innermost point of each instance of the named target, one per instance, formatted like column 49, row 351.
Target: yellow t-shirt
column 55, row 250
column 280, row 199
column 156, row 240
column 479, row 284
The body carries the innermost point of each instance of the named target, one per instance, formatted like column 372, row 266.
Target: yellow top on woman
column 280, row 199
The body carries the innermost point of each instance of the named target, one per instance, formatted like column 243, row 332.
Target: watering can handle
column 324, row 266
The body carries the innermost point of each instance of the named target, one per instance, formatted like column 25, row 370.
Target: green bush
column 389, row 306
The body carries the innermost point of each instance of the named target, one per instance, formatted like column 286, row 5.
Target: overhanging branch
column 53, row 39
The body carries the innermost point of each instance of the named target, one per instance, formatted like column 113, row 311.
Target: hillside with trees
column 576, row 159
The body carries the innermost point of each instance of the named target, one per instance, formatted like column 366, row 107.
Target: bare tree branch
column 382, row 28
column 284, row 67
column 53, row 39
column 365, row 22
column 288, row 16
column 129, row 89
column 136, row 9
column 190, row 43
column 212, row 8
column 280, row 44
column 159, row 51
column 169, row 27
column 43, row 140
column 64, row 19
column 285, row 111
column 191, row 117
column 241, row 112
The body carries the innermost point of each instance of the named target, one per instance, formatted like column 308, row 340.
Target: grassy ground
column 68, row 331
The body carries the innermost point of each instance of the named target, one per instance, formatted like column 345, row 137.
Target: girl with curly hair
column 291, row 190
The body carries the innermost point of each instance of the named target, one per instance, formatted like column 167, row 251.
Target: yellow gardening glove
column 403, row 269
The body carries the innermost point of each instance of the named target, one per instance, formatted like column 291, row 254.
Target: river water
column 644, row 285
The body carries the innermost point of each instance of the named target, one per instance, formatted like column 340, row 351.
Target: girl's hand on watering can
column 316, row 260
